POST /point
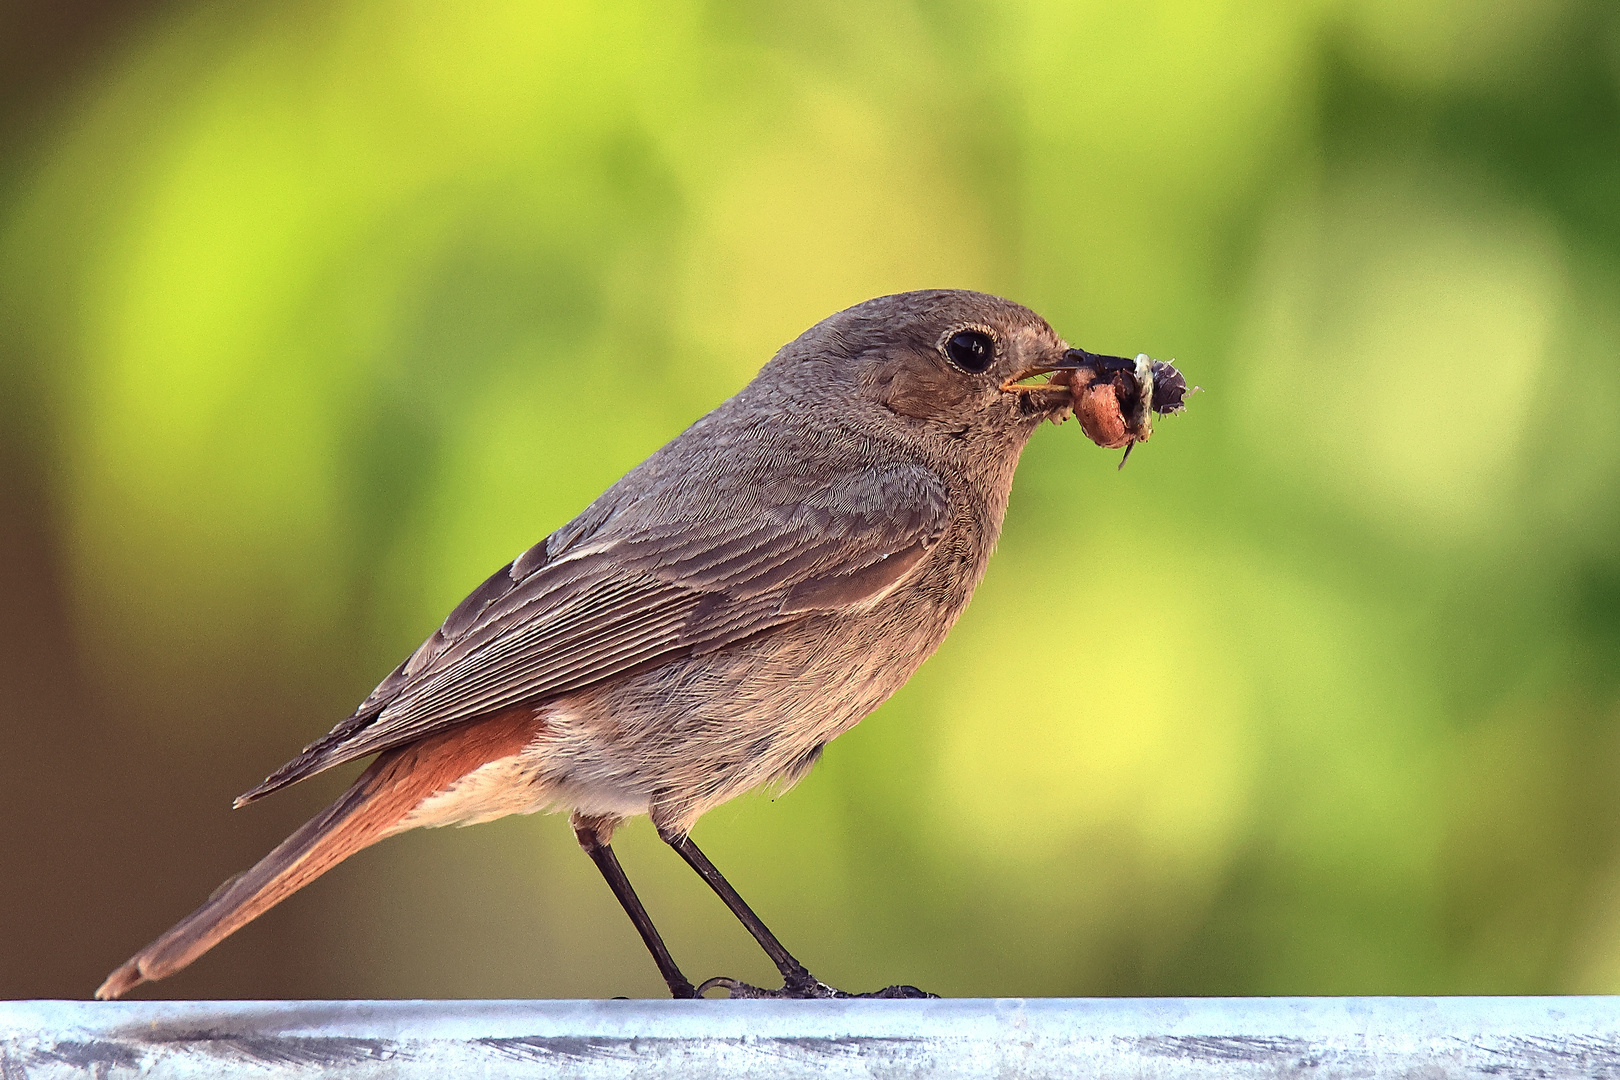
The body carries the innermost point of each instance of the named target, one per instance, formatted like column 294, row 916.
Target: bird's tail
column 395, row 784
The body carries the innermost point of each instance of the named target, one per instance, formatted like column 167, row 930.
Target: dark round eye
column 971, row 350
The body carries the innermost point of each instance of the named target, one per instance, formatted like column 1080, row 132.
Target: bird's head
column 964, row 363
column 953, row 367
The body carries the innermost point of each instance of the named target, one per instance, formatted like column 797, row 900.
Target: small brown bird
column 745, row 595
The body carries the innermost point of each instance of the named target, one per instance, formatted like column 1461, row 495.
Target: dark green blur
column 312, row 315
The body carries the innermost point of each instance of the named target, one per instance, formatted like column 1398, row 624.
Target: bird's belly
column 687, row 736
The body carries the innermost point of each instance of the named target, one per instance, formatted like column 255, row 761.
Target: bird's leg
column 592, row 834
column 794, row 974
column 797, row 982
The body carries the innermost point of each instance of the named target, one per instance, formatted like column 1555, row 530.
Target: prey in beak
column 1115, row 398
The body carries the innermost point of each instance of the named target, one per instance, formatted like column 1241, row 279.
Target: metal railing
column 1152, row 1039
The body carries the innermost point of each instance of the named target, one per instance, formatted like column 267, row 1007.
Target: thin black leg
column 607, row 862
column 794, row 974
column 797, row 982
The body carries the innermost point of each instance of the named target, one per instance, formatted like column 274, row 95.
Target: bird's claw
column 899, row 990
column 804, row 990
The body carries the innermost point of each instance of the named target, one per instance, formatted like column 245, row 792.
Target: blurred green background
column 311, row 315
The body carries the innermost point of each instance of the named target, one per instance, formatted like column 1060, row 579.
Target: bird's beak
column 1073, row 360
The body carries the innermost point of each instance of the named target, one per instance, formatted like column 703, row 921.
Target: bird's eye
column 971, row 350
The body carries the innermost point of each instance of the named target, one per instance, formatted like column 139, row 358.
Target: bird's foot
column 804, row 990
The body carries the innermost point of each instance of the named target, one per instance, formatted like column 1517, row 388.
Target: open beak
column 1163, row 388
column 1073, row 360
column 1115, row 398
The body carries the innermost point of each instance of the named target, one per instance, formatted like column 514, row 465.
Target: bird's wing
column 564, row 616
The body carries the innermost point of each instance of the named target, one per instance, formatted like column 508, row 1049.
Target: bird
column 707, row 625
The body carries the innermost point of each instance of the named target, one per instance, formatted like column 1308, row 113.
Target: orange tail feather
column 388, row 790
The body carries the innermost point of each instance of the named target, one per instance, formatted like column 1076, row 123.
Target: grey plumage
column 746, row 594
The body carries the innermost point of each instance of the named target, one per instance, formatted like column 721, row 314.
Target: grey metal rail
column 1151, row 1039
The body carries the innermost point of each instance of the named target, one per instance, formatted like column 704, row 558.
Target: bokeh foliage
column 312, row 314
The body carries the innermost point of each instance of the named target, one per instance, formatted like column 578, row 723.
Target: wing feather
column 603, row 602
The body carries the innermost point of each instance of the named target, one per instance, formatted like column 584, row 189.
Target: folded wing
column 595, row 600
